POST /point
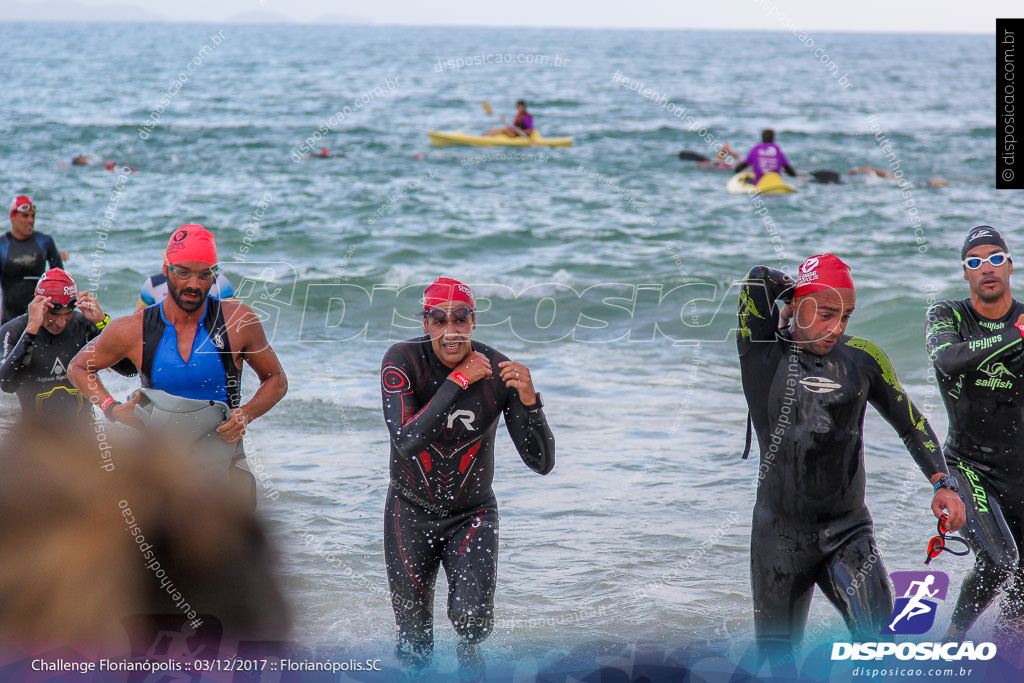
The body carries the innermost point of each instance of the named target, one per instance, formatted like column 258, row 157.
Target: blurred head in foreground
column 102, row 540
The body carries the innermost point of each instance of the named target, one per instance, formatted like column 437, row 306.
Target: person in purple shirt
column 766, row 158
column 521, row 125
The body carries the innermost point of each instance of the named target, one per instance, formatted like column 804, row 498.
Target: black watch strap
column 536, row 406
column 947, row 482
column 110, row 409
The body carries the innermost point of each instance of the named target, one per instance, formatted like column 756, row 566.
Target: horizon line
column 315, row 23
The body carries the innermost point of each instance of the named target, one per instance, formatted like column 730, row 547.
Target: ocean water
column 606, row 267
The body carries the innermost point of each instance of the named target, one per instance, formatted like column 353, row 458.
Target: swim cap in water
column 445, row 289
column 824, row 271
column 191, row 243
column 21, row 203
column 57, row 285
column 980, row 235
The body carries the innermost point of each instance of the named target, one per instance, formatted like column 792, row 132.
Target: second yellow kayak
column 770, row 183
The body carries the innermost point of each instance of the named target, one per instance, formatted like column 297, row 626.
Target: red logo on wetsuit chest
column 467, row 457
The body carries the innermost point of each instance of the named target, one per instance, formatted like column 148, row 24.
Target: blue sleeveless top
column 201, row 377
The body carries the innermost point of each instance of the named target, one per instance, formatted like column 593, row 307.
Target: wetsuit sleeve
column 758, row 312
column 53, row 254
column 892, row 402
column 125, row 367
column 952, row 354
column 412, row 426
column 15, row 344
column 531, row 435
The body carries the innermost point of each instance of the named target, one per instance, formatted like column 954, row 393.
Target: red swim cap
column 57, row 285
column 446, row 289
column 824, row 271
column 19, row 202
column 191, row 243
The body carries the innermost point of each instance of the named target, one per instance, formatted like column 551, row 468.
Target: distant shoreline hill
column 58, row 11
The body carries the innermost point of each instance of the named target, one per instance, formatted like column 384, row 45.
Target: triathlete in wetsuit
column 443, row 395
column 37, row 348
column 24, row 256
column 807, row 388
column 976, row 347
column 191, row 346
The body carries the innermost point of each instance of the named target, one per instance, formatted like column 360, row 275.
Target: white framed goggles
column 997, row 259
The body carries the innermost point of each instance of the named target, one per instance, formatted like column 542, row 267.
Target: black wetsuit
column 34, row 366
column 440, row 508
column 979, row 364
column 810, row 523
column 21, row 264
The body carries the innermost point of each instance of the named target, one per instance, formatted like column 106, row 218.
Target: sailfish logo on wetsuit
column 914, row 612
column 996, row 372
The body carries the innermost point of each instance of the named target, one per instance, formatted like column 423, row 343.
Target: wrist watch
column 536, row 406
column 947, row 482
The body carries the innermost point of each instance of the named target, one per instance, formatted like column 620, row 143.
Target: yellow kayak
column 770, row 183
column 446, row 138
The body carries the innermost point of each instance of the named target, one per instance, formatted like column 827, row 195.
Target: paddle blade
column 487, row 107
column 686, row 155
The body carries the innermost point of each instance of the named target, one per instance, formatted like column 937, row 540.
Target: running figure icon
column 916, row 605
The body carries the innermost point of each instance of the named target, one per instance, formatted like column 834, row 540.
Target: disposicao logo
column 914, row 613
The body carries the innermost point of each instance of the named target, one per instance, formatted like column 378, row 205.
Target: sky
column 903, row 16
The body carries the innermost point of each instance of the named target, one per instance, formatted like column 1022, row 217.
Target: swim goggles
column 57, row 307
column 996, row 259
column 183, row 273
column 439, row 316
column 25, row 208
column 938, row 543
